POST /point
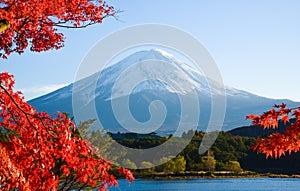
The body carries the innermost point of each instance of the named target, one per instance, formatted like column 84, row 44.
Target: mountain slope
column 167, row 82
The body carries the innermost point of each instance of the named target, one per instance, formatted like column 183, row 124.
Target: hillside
column 288, row 164
column 259, row 131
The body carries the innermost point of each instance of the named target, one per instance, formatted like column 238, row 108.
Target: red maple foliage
column 35, row 22
column 44, row 153
column 278, row 144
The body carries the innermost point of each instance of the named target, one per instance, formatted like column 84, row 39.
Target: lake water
column 222, row 184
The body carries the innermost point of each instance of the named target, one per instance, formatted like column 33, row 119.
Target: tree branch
column 61, row 24
column 17, row 105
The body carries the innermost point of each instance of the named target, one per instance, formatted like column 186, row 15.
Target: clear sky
column 255, row 43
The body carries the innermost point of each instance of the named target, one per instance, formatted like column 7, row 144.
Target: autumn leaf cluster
column 43, row 153
column 34, row 22
column 278, row 144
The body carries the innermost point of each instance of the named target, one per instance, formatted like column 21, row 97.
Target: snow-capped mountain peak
column 146, row 76
column 153, row 69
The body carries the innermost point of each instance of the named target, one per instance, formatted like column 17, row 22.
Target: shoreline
column 211, row 175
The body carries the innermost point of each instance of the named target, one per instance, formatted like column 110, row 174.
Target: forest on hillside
column 230, row 152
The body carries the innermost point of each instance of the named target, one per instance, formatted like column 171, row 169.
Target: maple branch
column 61, row 24
column 26, row 113
column 17, row 105
column 23, row 24
column 75, row 27
column 13, row 117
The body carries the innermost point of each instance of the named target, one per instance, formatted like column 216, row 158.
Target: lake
column 219, row 184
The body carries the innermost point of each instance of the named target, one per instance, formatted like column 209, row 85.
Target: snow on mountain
column 153, row 75
column 169, row 73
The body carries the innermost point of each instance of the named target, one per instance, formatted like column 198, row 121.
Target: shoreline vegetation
column 229, row 157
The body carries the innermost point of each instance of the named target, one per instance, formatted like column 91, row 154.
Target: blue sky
column 256, row 44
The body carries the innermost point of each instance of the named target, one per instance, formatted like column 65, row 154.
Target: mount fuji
column 169, row 80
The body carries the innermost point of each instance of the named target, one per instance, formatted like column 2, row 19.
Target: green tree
column 167, row 165
column 180, row 164
column 172, row 165
column 233, row 166
column 105, row 145
column 146, row 164
column 129, row 164
column 147, row 167
column 209, row 161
